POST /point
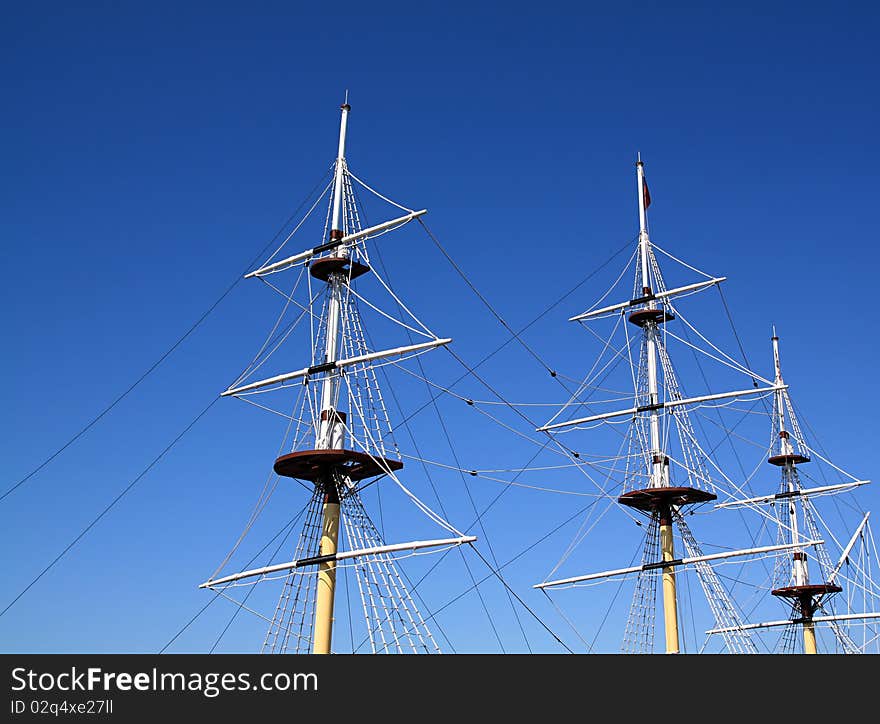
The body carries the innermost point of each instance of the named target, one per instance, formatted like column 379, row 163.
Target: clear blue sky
column 150, row 151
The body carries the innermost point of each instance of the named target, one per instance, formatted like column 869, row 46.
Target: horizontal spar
column 662, row 406
column 788, row 621
column 677, row 562
column 794, row 494
column 308, row 254
column 642, row 300
column 376, row 550
column 338, row 364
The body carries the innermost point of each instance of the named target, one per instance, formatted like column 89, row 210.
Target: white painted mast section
column 375, row 550
column 335, row 227
column 656, row 459
column 662, row 405
column 680, row 562
column 788, row 622
column 659, row 295
column 338, row 364
column 331, row 430
column 800, row 574
column 849, row 547
column 822, row 489
column 343, row 242
column 780, row 400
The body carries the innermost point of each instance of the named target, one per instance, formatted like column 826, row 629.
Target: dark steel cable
column 110, row 505
column 287, row 525
column 89, row 425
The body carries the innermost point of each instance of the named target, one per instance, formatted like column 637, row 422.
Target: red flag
column 645, row 192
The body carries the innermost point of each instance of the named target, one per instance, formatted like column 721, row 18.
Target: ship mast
column 799, row 562
column 797, row 525
column 803, row 596
column 339, row 451
column 658, row 462
column 330, row 435
column 653, row 492
column 661, row 491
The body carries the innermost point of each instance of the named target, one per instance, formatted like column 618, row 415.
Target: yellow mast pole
column 670, row 603
column 326, row 573
column 807, row 624
column 809, row 637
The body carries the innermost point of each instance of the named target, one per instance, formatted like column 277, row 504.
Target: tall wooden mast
column 339, row 451
column 803, row 596
column 331, row 433
column 659, row 498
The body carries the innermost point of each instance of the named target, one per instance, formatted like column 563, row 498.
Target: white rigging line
column 260, row 505
column 593, row 373
column 683, row 263
column 402, row 305
column 373, row 191
column 737, row 365
column 710, row 405
column 482, row 474
column 262, row 349
column 730, row 482
column 589, row 477
column 306, row 308
column 371, row 582
column 503, row 424
column 854, row 585
column 626, row 267
column 505, row 403
column 565, row 618
column 385, row 468
column 299, row 420
column 388, row 316
column 393, row 577
column 620, row 398
column 360, row 576
column 555, row 442
column 590, row 376
column 302, row 221
column 731, row 432
column 374, row 391
column 632, row 368
column 827, row 461
column 581, row 534
column 493, row 470
column 732, row 406
column 253, row 368
column 222, row 592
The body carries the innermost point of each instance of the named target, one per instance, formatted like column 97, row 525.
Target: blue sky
column 150, row 153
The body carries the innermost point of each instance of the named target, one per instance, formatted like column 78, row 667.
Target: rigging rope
column 110, row 505
column 242, row 603
column 88, row 426
column 464, row 483
column 442, row 510
column 217, row 593
column 483, row 299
